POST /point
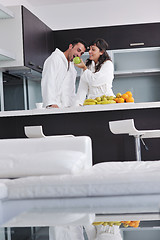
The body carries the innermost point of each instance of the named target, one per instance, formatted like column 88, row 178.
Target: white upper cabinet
column 26, row 38
column 5, row 13
column 137, row 61
column 11, row 40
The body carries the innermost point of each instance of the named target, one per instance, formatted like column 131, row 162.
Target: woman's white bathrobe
column 58, row 80
column 103, row 232
column 96, row 84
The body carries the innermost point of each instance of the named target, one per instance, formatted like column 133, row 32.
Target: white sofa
column 39, row 189
column 24, row 159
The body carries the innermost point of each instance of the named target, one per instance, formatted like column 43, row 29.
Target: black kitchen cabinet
column 37, row 39
column 63, row 38
column 136, row 35
column 118, row 37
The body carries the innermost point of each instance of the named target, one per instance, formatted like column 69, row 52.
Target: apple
column 76, row 60
column 118, row 95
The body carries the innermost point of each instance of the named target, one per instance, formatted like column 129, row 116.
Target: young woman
column 98, row 73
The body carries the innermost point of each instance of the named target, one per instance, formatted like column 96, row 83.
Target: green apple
column 76, row 60
column 118, row 95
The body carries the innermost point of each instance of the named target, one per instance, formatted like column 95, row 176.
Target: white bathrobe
column 96, row 84
column 66, row 233
column 58, row 80
column 103, row 232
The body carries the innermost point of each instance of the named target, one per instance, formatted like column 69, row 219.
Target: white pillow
column 41, row 163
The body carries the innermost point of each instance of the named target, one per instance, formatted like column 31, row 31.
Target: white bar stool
column 127, row 127
column 37, row 132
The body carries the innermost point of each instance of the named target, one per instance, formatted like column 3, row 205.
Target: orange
column 124, row 96
column 116, row 99
column 129, row 94
column 136, row 225
column 120, row 100
column 132, row 223
column 130, row 99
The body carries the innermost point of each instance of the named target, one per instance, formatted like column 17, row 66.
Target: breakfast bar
column 92, row 121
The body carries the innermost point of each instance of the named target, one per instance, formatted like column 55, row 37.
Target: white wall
column 6, row 3
column 100, row 13
column 94, row 13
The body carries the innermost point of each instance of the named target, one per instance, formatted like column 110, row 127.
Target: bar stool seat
column 127, row 127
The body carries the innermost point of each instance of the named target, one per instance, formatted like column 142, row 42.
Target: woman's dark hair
column 103, row 46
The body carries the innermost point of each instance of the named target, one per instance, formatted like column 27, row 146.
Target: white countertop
column 89, row 108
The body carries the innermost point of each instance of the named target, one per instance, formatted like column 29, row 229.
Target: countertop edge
column 81, row 109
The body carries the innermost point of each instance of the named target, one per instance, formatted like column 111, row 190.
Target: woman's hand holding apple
column 81, row 65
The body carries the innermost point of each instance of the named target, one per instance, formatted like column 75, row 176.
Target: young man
column 59, row 76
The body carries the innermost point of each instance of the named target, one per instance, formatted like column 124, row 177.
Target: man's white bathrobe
column 58, row 80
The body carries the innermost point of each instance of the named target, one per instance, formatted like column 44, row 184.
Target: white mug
column 39, row 105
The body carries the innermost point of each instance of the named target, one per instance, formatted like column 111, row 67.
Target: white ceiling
column 51, row 2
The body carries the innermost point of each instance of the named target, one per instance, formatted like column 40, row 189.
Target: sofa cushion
column 41, row 163
column 44, row 156
column 98, row 181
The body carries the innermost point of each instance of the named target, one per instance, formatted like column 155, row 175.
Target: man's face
column 76, row 51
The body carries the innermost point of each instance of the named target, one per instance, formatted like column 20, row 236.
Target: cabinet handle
column 39, row 67
column 31, row 63
column 136, row 44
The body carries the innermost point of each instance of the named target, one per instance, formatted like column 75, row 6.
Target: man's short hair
column 79, row 40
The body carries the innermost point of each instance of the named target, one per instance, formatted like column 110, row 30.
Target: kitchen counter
column 88, row 108
column 92, row 121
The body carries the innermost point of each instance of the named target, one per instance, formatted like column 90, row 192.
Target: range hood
column 5, row 13
column 6, row 55
column 30, row 74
